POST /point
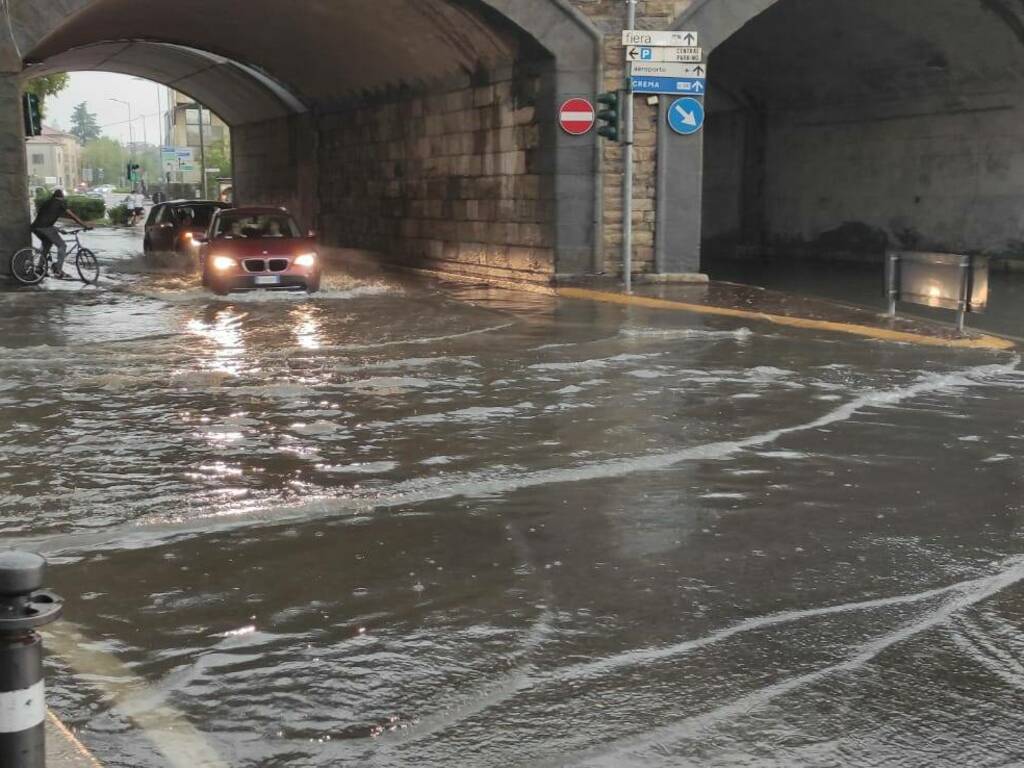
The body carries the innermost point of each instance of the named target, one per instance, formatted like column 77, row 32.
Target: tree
column 108, row 155
column 47, row 85
column 218, row 156
column 84, row 125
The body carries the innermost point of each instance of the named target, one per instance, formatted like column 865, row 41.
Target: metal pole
column 627, row 185
column 23, row 608
column 965, row 296
column 202, row 151
column 892, row 281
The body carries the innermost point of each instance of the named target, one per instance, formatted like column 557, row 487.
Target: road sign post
column 667, row 55
column 669, row 63
column 629, row 125
column 577, row 117
column 686, row 116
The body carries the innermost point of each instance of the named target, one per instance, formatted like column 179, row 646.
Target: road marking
column 73, row 740
column 984, row 341
column 182, row 745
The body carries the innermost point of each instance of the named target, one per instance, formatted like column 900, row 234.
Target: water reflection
column 308, row 326
column 224, row 331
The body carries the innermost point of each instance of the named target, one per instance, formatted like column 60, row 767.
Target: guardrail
column 944, row 280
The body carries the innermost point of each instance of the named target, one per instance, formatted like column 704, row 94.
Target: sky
column 96, row 89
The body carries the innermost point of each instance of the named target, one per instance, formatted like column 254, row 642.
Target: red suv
column 247, row 249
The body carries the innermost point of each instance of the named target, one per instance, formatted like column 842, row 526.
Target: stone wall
column 275, row 164
column 455, row 180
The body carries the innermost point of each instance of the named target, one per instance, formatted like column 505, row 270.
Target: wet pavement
column 862, row 284
column 403, row 523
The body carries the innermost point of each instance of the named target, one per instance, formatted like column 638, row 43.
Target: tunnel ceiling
column 323, row 51
column 236, row 94
column 802, row 53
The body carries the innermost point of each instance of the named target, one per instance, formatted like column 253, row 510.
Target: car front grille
column 255, row 265
column 278, row 265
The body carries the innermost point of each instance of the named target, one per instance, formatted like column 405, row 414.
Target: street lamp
column 131, row 135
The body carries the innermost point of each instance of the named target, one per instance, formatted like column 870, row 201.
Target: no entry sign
column 577, row 117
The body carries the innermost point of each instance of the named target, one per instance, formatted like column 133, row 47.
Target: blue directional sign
column 686, row 116
column 672, row 86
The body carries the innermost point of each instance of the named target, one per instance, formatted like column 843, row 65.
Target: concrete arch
column 332, row 58
column 914, row 106
column 236, row 93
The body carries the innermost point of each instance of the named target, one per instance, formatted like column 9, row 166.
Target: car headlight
column 223, row 263
column 306, row 260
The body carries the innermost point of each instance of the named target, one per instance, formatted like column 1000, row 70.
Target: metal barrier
column 24, row 607
column 943, row 280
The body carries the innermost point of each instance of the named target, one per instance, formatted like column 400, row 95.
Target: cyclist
column 45, row 228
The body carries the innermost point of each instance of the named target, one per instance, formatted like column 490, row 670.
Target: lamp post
column 131, row 134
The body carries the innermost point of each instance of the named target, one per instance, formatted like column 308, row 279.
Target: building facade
column 209, row 140
column 54, row 160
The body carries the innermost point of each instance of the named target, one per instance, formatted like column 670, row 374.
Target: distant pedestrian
column 138, row 207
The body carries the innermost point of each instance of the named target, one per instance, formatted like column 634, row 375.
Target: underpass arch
column 843, row 128
column 518, row 198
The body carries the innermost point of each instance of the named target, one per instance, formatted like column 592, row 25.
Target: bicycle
column 29, row 266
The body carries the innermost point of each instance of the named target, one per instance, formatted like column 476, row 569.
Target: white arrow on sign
column 660, row 39
column 669, row 69
column 676, row 55
column 689, row 118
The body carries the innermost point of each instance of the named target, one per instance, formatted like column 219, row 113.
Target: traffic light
column 32, row 114
column 610, row 116
column 134, row 173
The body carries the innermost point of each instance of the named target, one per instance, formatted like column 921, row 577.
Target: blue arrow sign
column 673, row 86
column 686, row 116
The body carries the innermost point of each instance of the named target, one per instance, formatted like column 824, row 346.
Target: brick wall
column 453, row 180
column 609, row 16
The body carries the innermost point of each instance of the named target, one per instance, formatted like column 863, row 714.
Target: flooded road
column 405, row 524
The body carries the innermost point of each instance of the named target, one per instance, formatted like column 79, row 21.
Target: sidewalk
column 761, row 305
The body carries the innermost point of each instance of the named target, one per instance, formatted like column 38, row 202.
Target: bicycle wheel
column 28, row 266
column 88, row 266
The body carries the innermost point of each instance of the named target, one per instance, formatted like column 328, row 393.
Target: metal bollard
column 23, row 608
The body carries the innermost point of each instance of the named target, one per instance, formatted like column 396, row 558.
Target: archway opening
column 424, row 131
column 840, row 128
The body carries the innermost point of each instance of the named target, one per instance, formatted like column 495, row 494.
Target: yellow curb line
column 884, row 334
column 73, row 740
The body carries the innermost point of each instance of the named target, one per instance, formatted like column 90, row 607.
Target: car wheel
column 313, row 286
column 147, row 247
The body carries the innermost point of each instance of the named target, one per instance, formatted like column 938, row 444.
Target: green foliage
column 119, row 215
column 86, row 208
column 106, row 154
column 83, row 124
column 219, row 156
column 47, row 85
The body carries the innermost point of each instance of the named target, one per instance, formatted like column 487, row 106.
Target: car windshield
column 256, row 226
column 198, row 215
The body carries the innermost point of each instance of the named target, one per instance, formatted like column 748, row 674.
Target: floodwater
column 409, row 524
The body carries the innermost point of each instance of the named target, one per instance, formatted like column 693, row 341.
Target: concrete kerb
column 981, row 341
column 63, row 748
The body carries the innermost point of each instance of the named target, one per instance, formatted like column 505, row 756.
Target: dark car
column 172, row 227
column 247, row 249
